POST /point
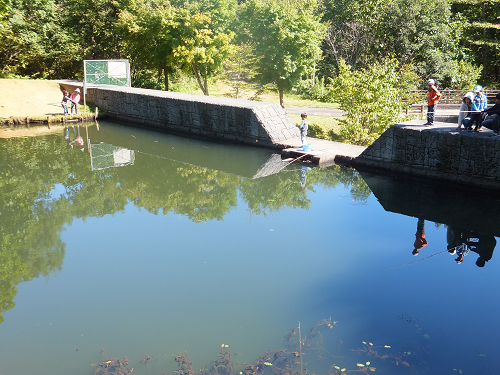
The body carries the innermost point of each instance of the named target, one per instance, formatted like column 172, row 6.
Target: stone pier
column 206, row 117
column 438, row 152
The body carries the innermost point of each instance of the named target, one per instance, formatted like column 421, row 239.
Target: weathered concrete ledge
column 206, row 117
column 438, row 152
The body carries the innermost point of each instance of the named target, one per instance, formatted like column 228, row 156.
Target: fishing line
column 430, row 256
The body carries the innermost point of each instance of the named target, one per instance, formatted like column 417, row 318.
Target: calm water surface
column 159, row 245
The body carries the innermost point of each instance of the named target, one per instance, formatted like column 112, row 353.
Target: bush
column 372, row 98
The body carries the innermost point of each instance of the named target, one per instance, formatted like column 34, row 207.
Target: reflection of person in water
column 460, row 242
column 303, row 176
column 457, row 243
column 420, row 240
column 77, row 139
column 484, row 246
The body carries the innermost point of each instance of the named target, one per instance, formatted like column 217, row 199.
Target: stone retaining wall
column 206, row 117
column 438, row 152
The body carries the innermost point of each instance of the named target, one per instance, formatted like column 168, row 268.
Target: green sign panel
column 107, row 72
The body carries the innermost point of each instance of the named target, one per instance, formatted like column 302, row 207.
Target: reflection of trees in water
column 33, row 217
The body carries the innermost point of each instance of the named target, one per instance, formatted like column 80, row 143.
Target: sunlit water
column 161, row 245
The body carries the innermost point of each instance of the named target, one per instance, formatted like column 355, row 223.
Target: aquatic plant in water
column 113, row 366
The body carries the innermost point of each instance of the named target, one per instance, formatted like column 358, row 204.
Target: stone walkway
column 323, row 152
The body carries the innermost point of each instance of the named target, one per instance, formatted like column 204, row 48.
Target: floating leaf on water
column 426, row 336
column 360, row 365
column 268, row 364
column 372, row 368
column 367, row 363
column 226, row 346
column 459, row 371
column 405, row 363
column 408, row 353
column 342, row 369
column 370, row 344
column 222, row 346
column 337, row 367
column 481, row 355
column 387, row 346
column 241, row 372
column 364, row 342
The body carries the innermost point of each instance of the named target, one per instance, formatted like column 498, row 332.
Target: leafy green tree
column 371, row 98
column 168, row 38
column 32, row 40
column 423, row 33
column 287, row 37
column 482, row 34
column 151, row 34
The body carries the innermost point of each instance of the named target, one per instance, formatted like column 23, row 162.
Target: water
column 161, row 245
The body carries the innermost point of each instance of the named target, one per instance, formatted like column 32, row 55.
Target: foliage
column 162, row 36
column 287, row 39
column 240, row 70
column 371, row 98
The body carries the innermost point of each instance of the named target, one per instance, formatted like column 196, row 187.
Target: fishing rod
column 427, row 257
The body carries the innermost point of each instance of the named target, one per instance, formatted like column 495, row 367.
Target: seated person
column 491, row 116
column 464, row 114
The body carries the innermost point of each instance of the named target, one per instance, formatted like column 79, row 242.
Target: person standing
column 433, row 96
column 303, row 128
column 64, row 101
column 75, row 97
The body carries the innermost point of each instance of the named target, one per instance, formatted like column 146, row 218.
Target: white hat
column 478, row 88
column 77, row 90
column 469, row 95
column 431, row 82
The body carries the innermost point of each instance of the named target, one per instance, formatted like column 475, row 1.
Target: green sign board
column 107, row 72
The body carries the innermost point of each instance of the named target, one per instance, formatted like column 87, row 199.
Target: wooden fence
column 449, row 96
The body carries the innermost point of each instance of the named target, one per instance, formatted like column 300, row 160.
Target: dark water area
column 151, row 246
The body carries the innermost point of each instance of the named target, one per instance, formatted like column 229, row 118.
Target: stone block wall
column 206, row 117
column 440, row 152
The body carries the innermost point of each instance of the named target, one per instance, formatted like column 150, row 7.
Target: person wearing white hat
column 75, row 97
column 433, row 96
column 464, row 114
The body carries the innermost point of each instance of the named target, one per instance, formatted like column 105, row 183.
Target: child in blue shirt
column 303, row 128
column 479, row 104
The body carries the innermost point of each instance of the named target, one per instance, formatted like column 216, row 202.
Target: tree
column 482, row 34
column 423, row 33
column 371, row 97
column 287, row 39
column 32, row 39
column 168, row 38
column 202, row 48
column 151, row 34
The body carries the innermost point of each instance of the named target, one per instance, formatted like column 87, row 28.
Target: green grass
column 321, row 127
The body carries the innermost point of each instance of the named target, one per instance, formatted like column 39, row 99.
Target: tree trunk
column 165, row 78
column 203, row 85
column 280, row 85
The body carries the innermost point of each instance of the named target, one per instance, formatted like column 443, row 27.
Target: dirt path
column 28, row 98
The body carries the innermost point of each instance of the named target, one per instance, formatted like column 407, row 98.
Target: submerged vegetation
column 303, row 354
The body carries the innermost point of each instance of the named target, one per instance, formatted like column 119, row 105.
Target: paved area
column 323, row 152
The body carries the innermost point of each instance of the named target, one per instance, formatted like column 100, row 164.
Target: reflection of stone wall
column 439, row 152
column 207, row 117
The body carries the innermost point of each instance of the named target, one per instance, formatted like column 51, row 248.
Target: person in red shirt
column 75, row 97
column 433, row 96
